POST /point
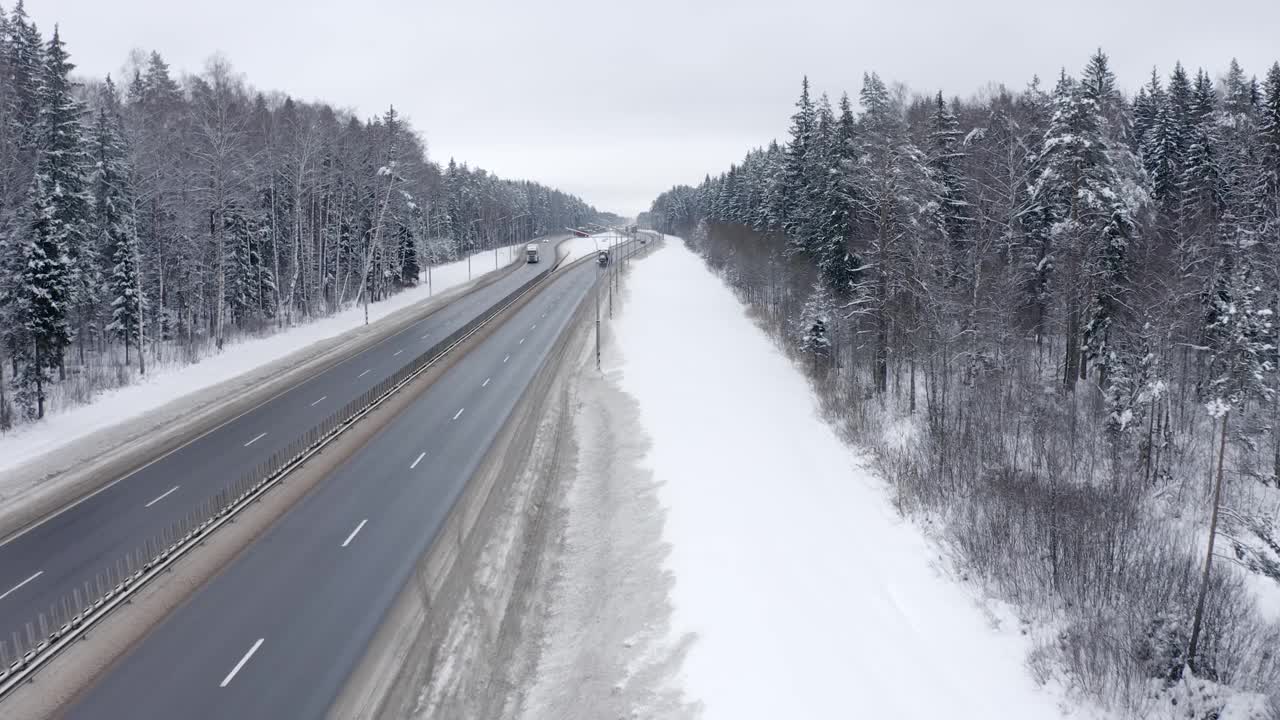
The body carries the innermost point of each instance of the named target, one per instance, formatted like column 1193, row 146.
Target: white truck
column 531, row 252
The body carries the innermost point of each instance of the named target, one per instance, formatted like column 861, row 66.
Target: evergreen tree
column 1200, row 183
column 1076, row 190
column 26, row 65
column 41, row 295
column 796, row 171
column 1269, row 129
column 1167, row 146
column 833, row 256
column 815, row 325
column 1147, row 106
column 64, row 166
column 1098, row 84
column 946, row 158
column 893, row 187
column 114, row 224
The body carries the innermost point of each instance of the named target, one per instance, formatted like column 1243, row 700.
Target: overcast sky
column 618, row 101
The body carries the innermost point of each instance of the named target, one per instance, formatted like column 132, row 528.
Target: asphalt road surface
column 40, row 567
column 277, row 633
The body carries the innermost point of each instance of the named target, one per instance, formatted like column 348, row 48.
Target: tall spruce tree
column 796, row 171
column 1086, row 222
column 64, row 166
column 946, row 156
column 42, row 294
column 114, row 225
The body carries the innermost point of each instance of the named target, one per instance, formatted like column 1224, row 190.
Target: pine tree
column 832, row 254
column 1098, row 84
column 64, row 166
column 892, row 184
column 26, row 63
column 815, row 325
column 407, row 255
column 1167, row 144
column 946, row 157
column 114, row 224
column 42, row 294
column 796, row 171
column 1147, row 106
column 1076, row 189
column 1269, row 131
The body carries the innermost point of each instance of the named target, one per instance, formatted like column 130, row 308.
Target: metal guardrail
column 22, row 654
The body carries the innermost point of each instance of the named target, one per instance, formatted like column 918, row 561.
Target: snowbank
column 165, row 383
column 809, row 596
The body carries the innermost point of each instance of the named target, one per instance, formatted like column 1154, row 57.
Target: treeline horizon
column 150, row 218
column 1071, row 296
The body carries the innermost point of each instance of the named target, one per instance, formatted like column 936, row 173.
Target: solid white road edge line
column 353, row 532
column 255, row 439
column 166, row 494
column 15, row 588
column 322, row 399
column 455, row 417
column 415, row 462
column 231, row 675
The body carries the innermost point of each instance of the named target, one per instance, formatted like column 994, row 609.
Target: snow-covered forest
column 1051, row 314
column 150, row 218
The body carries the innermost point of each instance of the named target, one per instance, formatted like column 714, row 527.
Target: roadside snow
column 574, row 248
column 166, row 383
column 809, row 597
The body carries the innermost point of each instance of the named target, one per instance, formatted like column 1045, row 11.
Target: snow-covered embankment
column 807, row 596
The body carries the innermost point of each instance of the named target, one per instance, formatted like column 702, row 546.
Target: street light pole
column 597, row 316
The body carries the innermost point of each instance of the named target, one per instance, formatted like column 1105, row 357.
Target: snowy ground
column 574, row 248
column 166, row 383
column 748, row 565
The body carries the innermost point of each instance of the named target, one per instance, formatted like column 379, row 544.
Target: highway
column 39, row 567
column 277, row 633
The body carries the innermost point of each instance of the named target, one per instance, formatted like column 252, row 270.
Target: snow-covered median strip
column 577, row 247
column 169, row 382
column 808, row 595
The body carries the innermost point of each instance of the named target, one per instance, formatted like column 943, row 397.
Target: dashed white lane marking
column 455, row 417
column 260, row 436
column 397, row 352
column 366, row 372
column 486, row 382
column 415, row 462
column 322, row 399
column 166, row 494
column 15, row 588
column 231, row 675
column 353, row 533
column 521, row 341
column 506, row 358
